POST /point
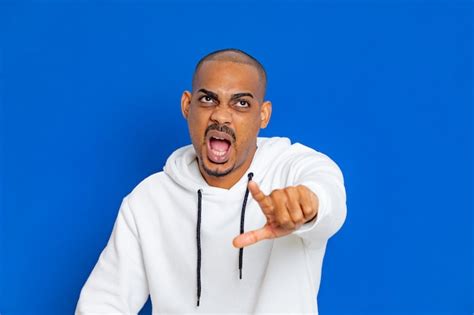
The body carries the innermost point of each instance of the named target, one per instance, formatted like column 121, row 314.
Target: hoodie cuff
column 309, row 226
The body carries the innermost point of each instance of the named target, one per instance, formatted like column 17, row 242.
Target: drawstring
column 242, row 220
column 198, row 236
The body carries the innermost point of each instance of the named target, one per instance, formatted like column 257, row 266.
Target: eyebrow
column 209, row 93
column 233, row 97
column 239, row 95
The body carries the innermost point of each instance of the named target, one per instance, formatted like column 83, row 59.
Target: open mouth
column 219, row 146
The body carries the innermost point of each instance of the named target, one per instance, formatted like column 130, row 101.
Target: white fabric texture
column 152, row 247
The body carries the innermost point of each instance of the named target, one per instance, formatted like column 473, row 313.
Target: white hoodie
column 153, row 246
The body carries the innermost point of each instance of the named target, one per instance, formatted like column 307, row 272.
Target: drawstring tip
column 198, row 302
column 240, row 273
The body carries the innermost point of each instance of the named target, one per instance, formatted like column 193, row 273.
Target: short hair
column 233, row 55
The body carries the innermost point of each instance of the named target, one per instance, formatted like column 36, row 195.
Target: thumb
column 252, row 237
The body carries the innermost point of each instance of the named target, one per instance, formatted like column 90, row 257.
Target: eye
column 206, row 99
column 242, row 104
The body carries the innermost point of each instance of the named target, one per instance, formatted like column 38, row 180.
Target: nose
column 221, row 115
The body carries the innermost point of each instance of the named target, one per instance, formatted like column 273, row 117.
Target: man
column 180, row 234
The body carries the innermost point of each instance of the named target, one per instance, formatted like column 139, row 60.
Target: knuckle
column 283, row 221
column 300, row 221
column 295, row 213
column 307, row 210
column 297, row 216
column 278, row 195
column 290, row 225
column 302, row 188
column 294, row 208
column 270, row 207
column 310, row 215
column 290, row 189
column 286, row 223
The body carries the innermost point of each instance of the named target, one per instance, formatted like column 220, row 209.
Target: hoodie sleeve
column 117, row 284
column 321, row 175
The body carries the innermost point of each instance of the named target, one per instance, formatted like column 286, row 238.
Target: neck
column 233, row 177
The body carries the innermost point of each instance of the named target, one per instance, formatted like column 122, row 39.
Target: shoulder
column 302, row 158
column 298, row 152
column 146, row 189
column 286, row 148
column 151, row 180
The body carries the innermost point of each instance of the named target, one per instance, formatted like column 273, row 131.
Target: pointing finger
column 264, row 201
column 257, row 194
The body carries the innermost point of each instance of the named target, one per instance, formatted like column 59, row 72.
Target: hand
column 285, row 209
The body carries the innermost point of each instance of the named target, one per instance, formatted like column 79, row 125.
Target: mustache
column 221, row 128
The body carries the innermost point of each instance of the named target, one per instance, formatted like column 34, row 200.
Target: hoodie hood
column 182, row 166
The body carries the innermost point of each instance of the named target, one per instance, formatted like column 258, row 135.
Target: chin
column 217, row 169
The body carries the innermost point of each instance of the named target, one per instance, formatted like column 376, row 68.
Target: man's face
column 225, row 112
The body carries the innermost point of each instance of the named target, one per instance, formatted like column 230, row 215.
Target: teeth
column 218, row 153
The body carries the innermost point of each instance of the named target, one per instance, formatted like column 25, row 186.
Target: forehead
column 229, row 77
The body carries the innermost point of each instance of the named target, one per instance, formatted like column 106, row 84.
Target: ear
column 185, row 103
column 265, row 114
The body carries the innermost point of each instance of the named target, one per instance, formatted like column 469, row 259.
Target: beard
column 215, row 172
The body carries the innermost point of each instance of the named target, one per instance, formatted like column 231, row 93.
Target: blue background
column 90, row 95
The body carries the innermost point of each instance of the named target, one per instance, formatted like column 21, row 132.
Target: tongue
column 219, row 145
